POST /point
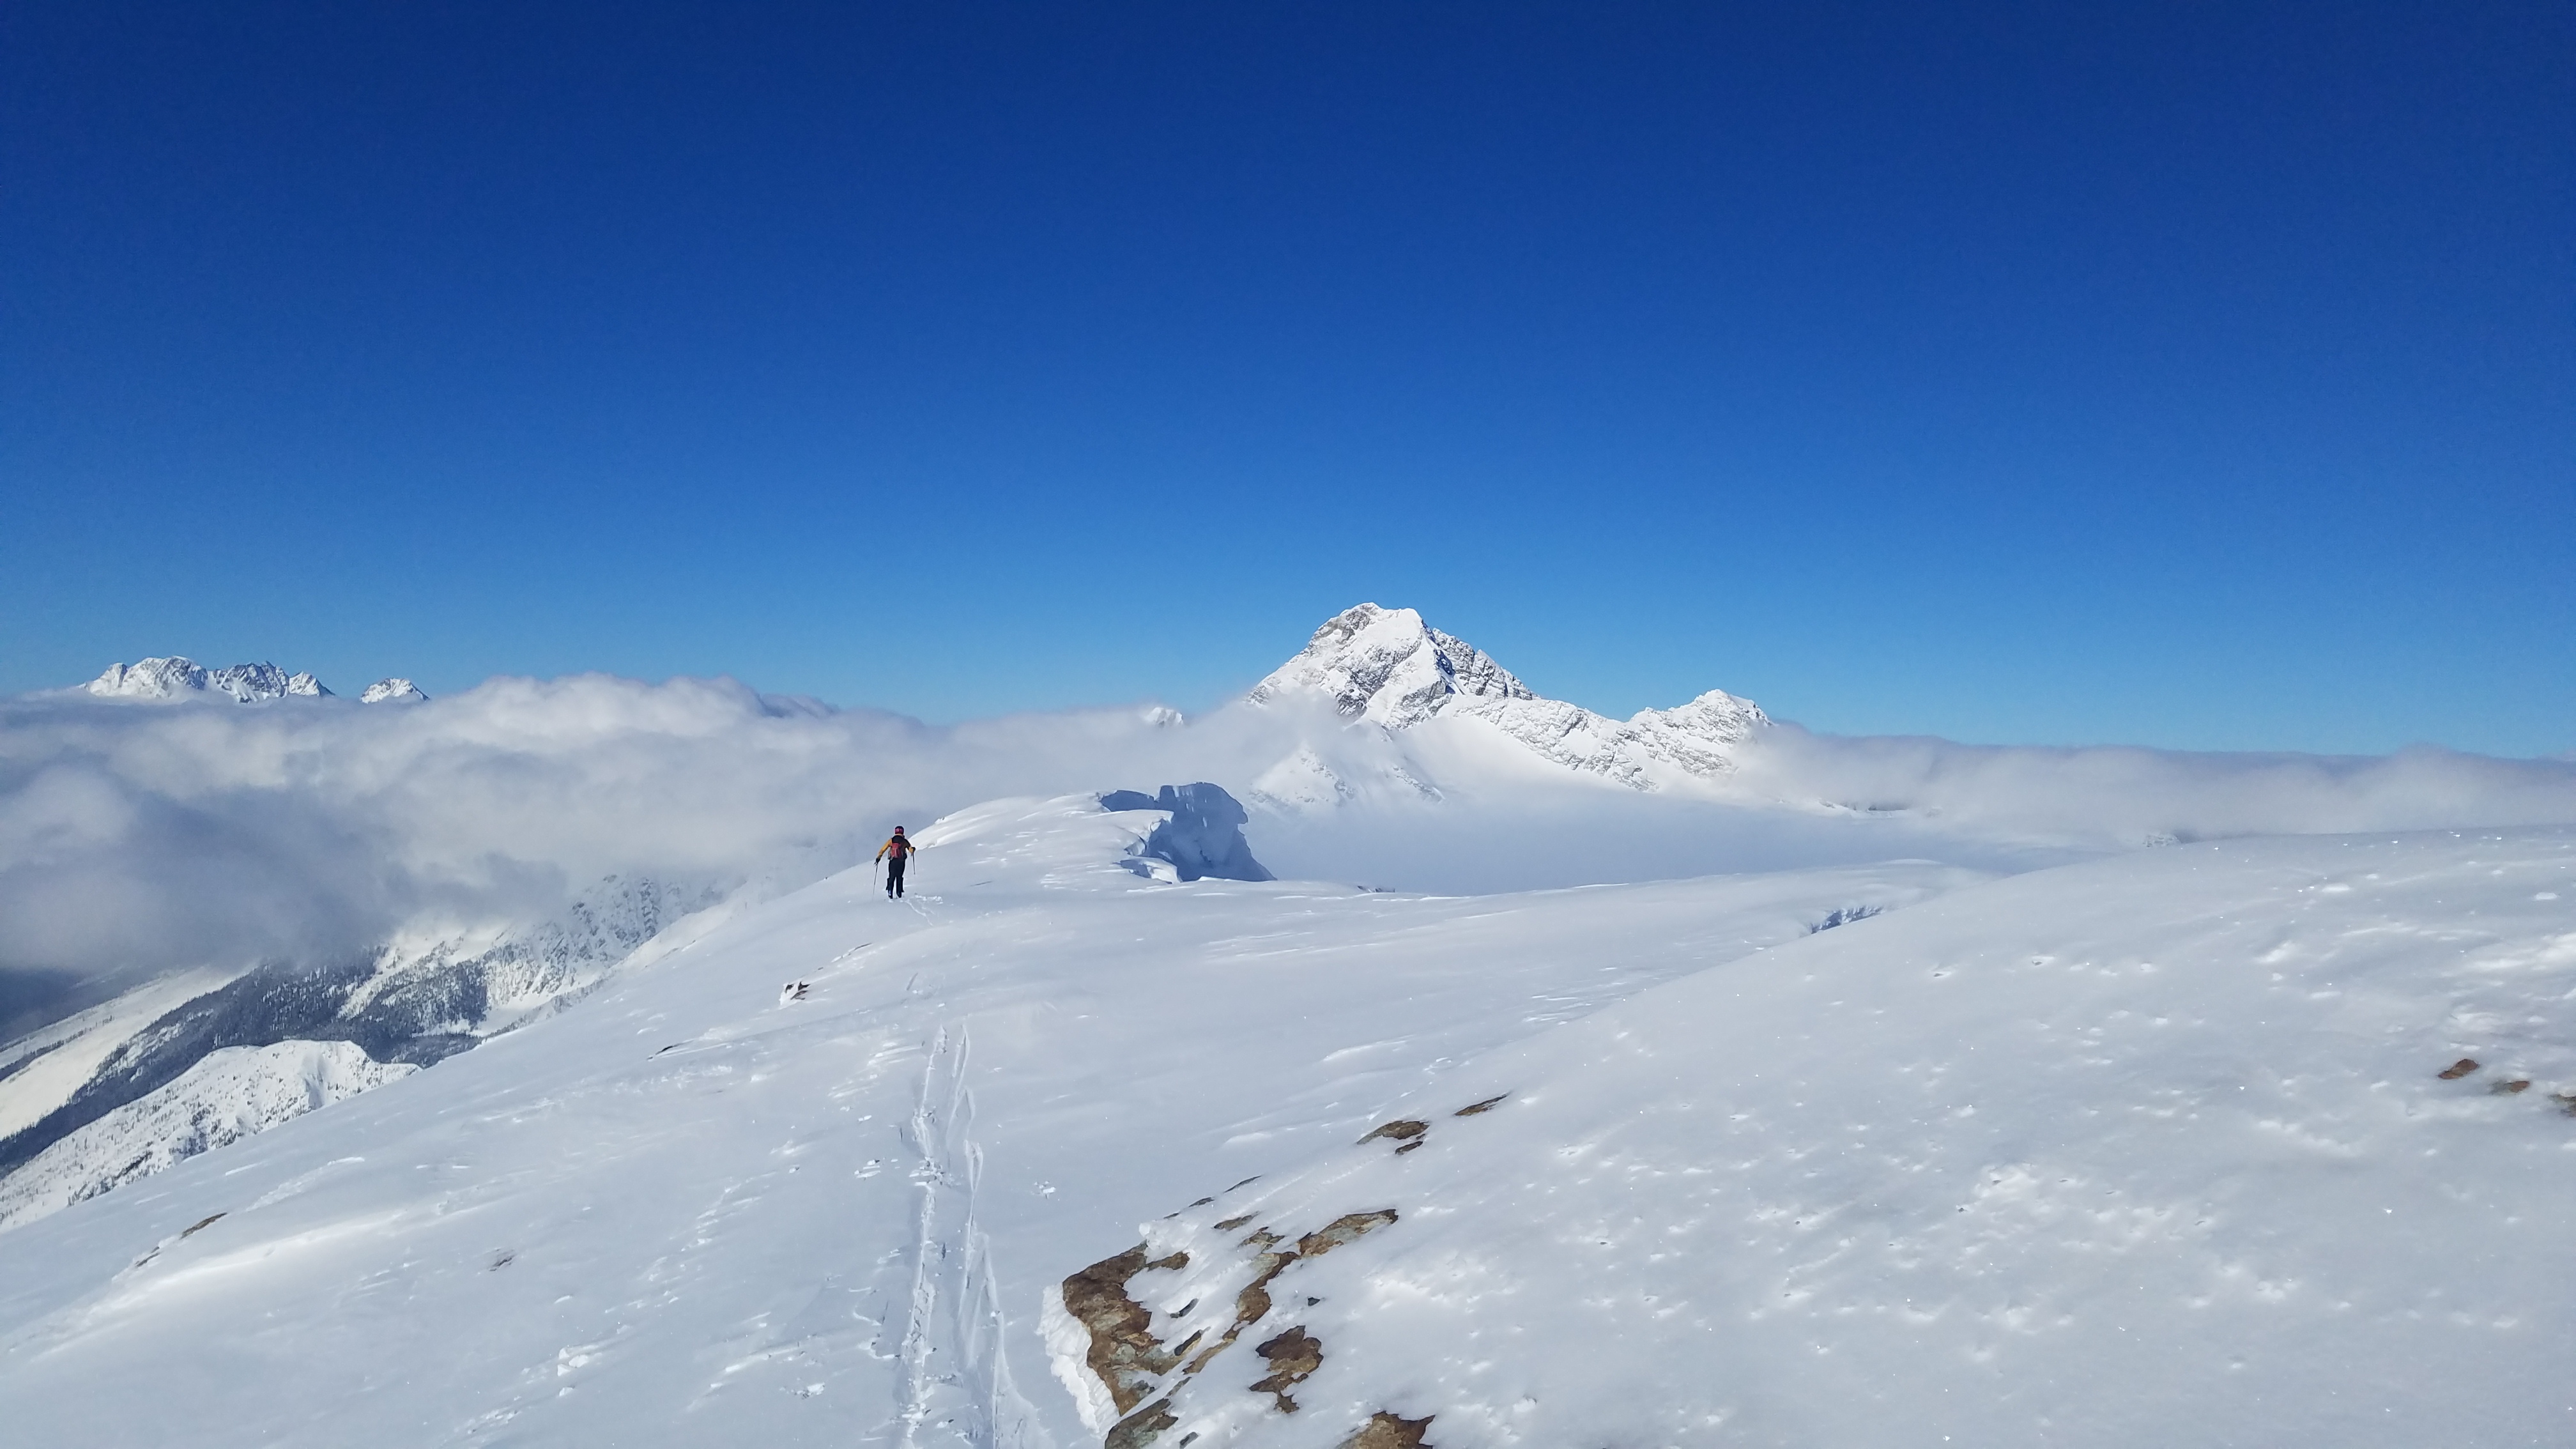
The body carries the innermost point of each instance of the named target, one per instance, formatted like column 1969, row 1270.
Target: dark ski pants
column 894, row 875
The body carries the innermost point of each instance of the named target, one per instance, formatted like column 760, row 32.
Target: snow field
column 696, row 1209
column 2154, row 1150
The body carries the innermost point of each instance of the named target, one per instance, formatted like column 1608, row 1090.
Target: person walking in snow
column 894, row 853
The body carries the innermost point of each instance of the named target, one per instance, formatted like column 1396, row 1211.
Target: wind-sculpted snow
column 2262, row 1144
column 703, row 1209
column 1200, row 836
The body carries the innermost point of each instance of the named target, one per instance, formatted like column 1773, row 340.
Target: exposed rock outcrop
column 1137, row 1342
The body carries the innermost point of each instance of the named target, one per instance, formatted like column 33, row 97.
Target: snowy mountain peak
column 393, row 691
column 1390, row 668
column 176, row 676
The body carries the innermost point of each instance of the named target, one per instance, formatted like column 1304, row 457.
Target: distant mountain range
column 177, row 677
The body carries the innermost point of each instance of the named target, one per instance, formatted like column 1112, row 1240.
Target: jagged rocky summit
column 1389, row 668
column 179, row 677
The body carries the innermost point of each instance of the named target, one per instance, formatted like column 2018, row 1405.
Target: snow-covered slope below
column 414, row 1001
column 2263, row 1144
column 709, row 1207
column 226, row 1096
column 43, row 1069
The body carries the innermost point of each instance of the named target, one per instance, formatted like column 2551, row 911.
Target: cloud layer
column 138, row 837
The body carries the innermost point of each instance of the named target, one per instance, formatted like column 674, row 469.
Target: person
column 894, row 853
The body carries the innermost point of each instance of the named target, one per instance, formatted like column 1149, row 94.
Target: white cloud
column 139, row 836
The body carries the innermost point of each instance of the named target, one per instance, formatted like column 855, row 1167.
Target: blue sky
column 2193, row 375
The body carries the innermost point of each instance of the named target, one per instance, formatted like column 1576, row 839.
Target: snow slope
column 387, row 864
column 705, row 1208
column 2143, row 1150
column 2261, row 1144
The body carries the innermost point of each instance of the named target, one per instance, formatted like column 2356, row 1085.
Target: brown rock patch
column 1142, row 1427
column 1401, row 1130
column 1487, row 1105
column 2458, row 1069
column 1341, row 1230
column 1291, row 1356
column 1254, row 1300
column 1124, row 1354
column 1387, row 1431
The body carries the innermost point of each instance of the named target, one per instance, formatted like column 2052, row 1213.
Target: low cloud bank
column 2129, row 796
column 137, row 837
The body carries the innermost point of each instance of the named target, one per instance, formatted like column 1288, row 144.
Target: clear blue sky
column 2186, row 374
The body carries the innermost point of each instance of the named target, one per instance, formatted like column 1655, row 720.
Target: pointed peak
column 1389, row 667
column 393, row 691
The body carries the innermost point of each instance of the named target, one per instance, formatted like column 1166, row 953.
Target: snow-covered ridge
column 76, row 1101
column 228, row 1095
column 176, row 676
column 1389, row 668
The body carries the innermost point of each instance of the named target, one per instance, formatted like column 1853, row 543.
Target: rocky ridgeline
column 1140, row 1333
column 178, row 677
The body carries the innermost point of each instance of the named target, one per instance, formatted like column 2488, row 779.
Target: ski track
column 956, row 1384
